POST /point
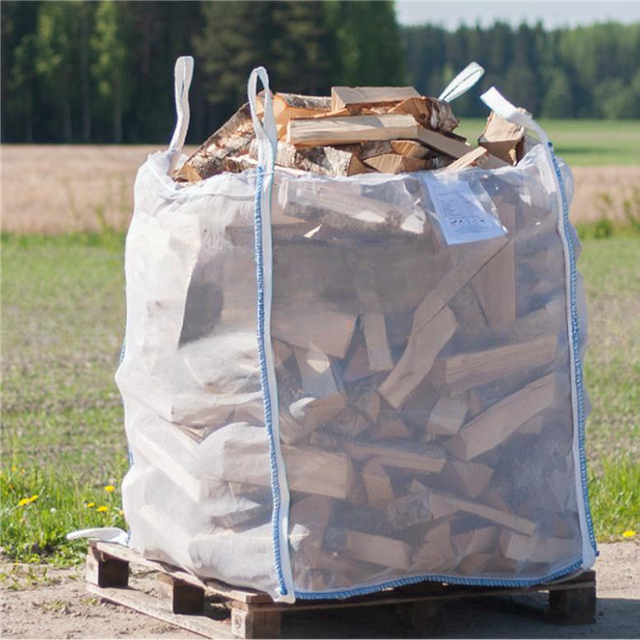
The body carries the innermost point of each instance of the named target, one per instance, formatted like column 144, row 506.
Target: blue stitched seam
column 575, row 337
column 484, row 582
column 264, row 383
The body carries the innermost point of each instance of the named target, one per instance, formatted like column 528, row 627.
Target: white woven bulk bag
column 335, row 385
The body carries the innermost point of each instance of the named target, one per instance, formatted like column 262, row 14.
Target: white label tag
column 461, row 214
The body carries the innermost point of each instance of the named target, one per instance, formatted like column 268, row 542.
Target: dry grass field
column 56, row 189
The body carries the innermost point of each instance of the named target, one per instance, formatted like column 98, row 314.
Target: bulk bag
column 337, row 385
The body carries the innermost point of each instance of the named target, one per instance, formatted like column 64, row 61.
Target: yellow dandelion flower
column 109, row 488
column 89, row 505
column 33, row 498
column 120, row 512
column 23, row 502
column 629, row 534
column 102, row 509
column 14, row 468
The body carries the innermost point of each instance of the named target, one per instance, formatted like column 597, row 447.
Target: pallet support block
column 105, row 571
column 255, row 624
column 574, row 606
column 185, row 598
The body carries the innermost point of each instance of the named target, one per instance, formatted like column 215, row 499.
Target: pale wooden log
column 232, row 139
column 394, row 163
column 290, row 105
column 342, row 207
column 518, row 523
column 466, row 370
column 538, row 549
column 391, row 428
column 492, row 428
column 308, row 518
column 495, row 282
column 455, row 278
column 501, row 138
column 425, row 342
column 375, row 335
column 478, row 157
column 474, row 563
column 281, row 352
column 316, row 373
column 365, row 399
column 448, row 415
column 342, row 97
column 349, row 423
column 436, row 553
column 480, row 540
column 325, row 161
column 311, row 132
column 373, row 324
column 377, row 483
column 319, row 327
column 408, row 149
column 307, row 414
column 450, row 146
column 322, row 473
column 466, row 479
column 386, row 552
column 429, row 112
column 418, row 457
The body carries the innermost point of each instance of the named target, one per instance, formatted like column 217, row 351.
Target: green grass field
column 582, row 142
column 63, row 440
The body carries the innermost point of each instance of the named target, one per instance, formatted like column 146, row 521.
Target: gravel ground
column 41, row 602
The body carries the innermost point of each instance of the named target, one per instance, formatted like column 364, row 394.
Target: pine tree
column 113, row 67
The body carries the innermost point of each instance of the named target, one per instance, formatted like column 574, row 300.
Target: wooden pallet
column 245, row 613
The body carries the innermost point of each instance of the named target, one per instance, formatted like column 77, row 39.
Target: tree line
column 78, row 71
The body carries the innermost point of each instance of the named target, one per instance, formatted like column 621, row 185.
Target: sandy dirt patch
column 57, row 606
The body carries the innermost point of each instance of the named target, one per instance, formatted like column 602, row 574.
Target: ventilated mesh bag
column 333, row 385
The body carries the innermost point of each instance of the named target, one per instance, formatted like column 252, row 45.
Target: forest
column 101, row 72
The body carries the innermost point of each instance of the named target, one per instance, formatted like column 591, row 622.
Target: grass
column 583, row 142
column 63, row 440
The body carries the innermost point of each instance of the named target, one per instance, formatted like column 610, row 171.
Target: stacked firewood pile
column 357, row 130
column 424, row 418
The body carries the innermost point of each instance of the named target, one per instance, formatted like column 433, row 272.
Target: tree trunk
column 84, row 73
column 67, row 129
column 117, row 113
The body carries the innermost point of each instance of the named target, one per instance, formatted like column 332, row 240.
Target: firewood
column 325, row 161
column 455, row 277
column 307, row 414
column 433, row 114
column 349, row 423
column 496, row 424
column 312, row 132
column 538, row 549
column 245, row 458
column 319, row 328
column 448, row 415
column 478, row 157
column 281, row 352
column 316, row 373
column 480, row 540
column 436, row 553
column 344, row 207
column 342, row 97
column 468, row 479
column 386, row 552
column 495, row 282
column 466, row 370
column 408, row 149
column 390, row 428
column 502, row 138
column 510, row 520
column 377, row 483
column 291, row 105
column 231, row 140
column 308, row 519
column 417, row 457
column 394, row 163
column 373, row 324
column 425, row 342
